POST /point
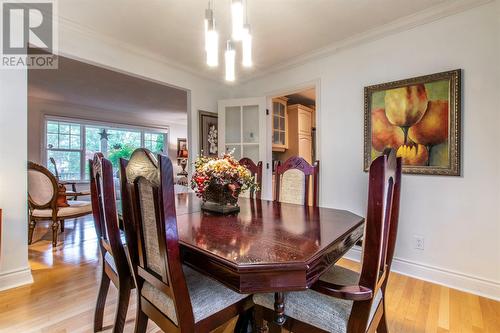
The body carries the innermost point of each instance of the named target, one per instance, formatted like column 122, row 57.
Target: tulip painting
column 420, row 119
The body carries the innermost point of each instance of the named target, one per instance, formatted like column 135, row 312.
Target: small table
column 267, row 246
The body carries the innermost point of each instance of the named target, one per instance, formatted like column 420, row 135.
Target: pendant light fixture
column 240, row 32
column 230, row 57
column 247, row 47
column 211, row 38
column 237, row 19
column 246, row 42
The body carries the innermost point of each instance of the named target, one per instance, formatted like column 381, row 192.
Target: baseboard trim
column 15, row 278
column 471, row 284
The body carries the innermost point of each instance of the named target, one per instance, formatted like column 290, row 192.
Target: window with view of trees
column 72, row 144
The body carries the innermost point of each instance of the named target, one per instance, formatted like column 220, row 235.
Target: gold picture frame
column 420, row 118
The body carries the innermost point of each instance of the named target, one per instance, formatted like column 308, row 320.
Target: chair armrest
column 66, row 182
column 76, row 194
column 352, row 293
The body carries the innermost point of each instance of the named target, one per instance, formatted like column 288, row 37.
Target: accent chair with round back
column 43, row 192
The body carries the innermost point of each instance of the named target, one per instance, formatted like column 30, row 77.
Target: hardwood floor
column 62, row 299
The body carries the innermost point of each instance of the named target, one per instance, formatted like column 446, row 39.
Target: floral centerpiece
column 219, row 181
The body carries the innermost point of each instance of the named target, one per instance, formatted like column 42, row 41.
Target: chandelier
column 240, row 33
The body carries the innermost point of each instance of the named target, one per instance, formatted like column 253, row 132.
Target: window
column 72, row 143
column 64, row 146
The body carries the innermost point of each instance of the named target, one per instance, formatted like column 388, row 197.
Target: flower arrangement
column 221, row 180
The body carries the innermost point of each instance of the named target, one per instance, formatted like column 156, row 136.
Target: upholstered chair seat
column 328, row 313
column 75, row 208
column 207, row 296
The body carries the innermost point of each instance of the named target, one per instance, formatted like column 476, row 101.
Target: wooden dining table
column 267, row 246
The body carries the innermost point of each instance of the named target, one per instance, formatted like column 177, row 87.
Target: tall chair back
column 381, row 229
column 151, row 203
column 115, row 265
column 105, row 212
column 256, row 170
column 293, row 179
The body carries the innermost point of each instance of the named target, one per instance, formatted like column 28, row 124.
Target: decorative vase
column 220, row 199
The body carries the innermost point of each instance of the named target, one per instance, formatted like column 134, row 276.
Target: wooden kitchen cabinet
column 280, row 124
column 299, row 132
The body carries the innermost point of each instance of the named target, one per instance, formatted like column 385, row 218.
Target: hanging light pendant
column 211, row 38
column 247, row 47
column 230, row 56
column 237, row 19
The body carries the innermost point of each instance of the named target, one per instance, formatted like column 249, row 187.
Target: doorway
column 293, row 128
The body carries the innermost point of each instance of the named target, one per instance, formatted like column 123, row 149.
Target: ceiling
column 79, row 83
column 283, row 30
column 304, row 97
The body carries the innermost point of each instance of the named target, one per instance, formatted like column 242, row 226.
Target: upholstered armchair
column 43, row 193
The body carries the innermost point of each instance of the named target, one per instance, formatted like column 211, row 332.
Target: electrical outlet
column 419, row 242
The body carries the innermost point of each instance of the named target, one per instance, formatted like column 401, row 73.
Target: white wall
column 14, row 269
column 458, row 216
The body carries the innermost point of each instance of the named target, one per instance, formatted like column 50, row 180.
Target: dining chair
column 293, row 179
column 177, row 298
column 343, row 300
column 73, row 192
column 256, row 170
column 115, row 265
column 43, row 193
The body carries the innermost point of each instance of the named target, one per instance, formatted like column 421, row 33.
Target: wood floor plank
column 62, row 298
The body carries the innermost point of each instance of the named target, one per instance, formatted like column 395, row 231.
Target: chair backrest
column 256, row 170
column 381, row 226
column 293, row 179
column 150, row 201
column 104, row 210
column 56, row 173
column 42, row 187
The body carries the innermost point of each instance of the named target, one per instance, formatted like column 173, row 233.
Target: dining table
column 267, row 247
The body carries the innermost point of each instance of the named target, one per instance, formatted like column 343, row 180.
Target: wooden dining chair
column 43, row 193
column 343, row 300
column 115, row 266
column 293, row 178
column 256, row 170
column 177, row 298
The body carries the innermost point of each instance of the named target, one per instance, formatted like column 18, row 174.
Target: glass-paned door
column 242, row 128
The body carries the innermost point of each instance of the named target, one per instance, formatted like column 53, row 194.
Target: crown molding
column 409, row 22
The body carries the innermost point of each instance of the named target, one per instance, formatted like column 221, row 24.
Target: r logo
column 27, row 24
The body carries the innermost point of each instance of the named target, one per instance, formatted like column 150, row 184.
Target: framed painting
column 209, row 132
column 420, row 119
column 182, row 148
